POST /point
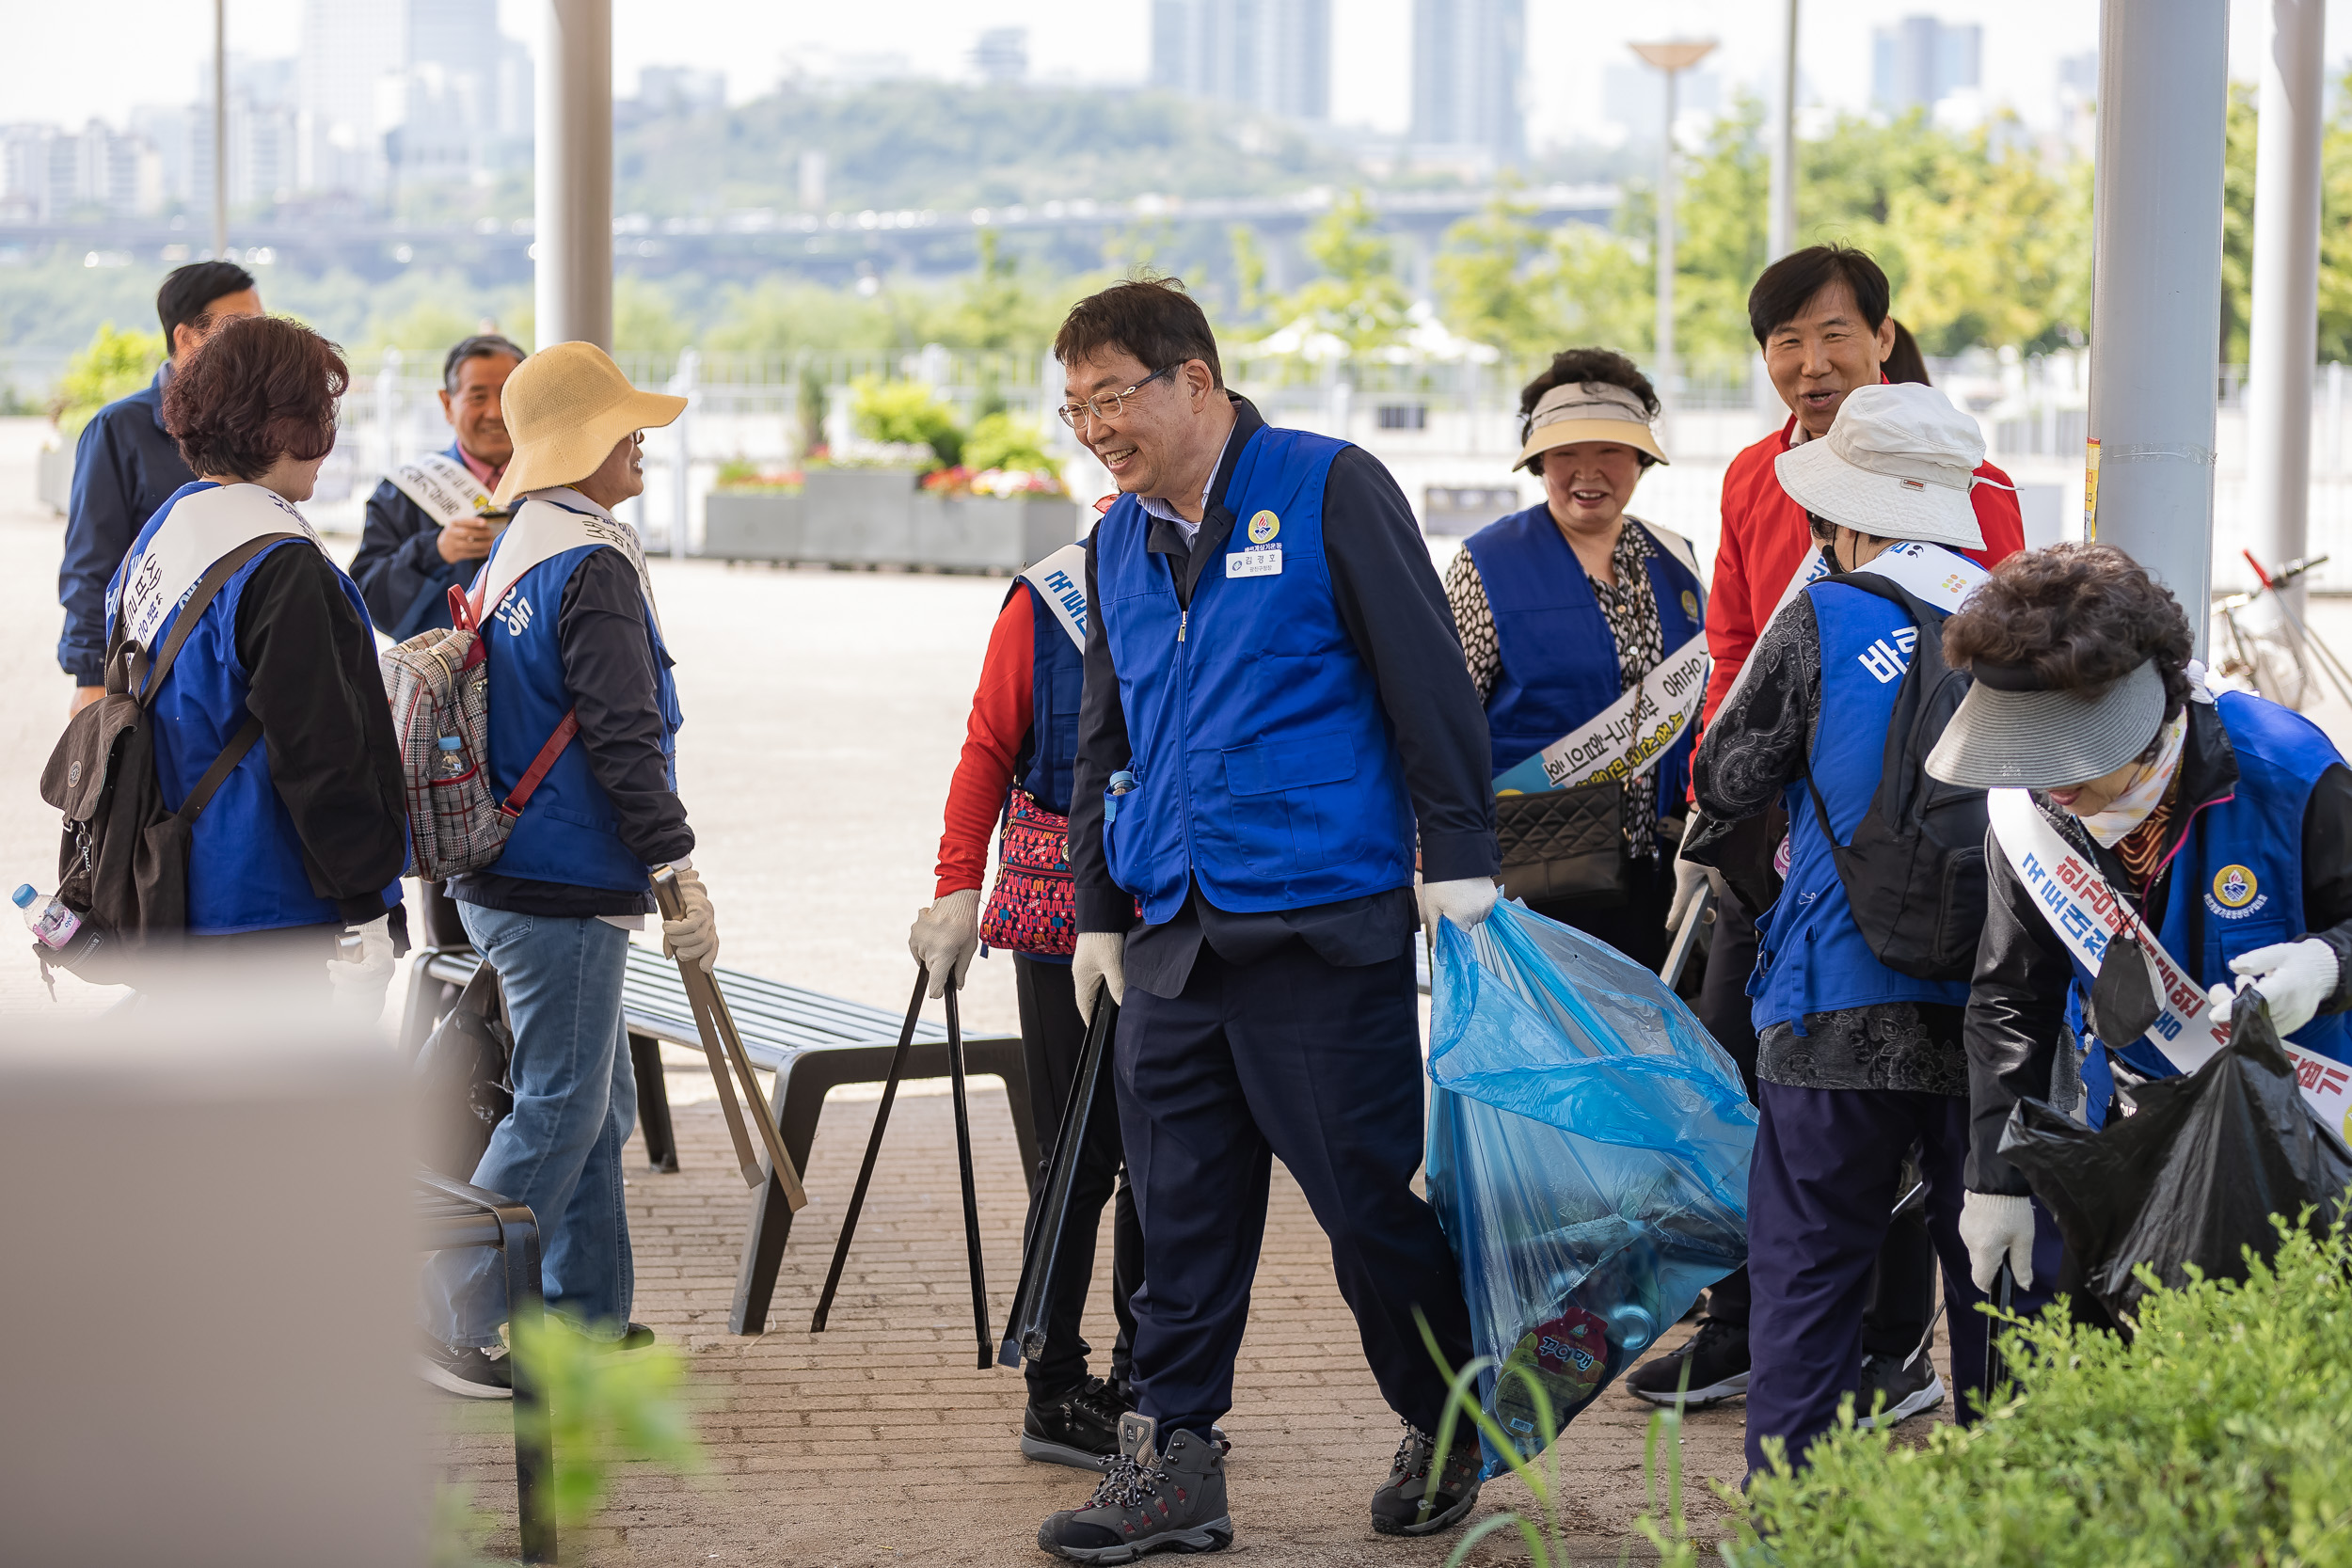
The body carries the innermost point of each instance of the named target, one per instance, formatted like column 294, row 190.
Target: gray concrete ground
column 824, row 715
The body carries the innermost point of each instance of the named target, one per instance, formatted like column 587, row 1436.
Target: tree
column 1359, row 299
column 114, row 365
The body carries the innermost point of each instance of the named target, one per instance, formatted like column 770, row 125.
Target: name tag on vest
column 1258, row 560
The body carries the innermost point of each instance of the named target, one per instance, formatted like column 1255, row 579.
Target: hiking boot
column 1410, row 1503
column 1077, row 1427
column 1716, row 1357
column 1171, row 1502
column 464, row 1369
column 1909, row 1386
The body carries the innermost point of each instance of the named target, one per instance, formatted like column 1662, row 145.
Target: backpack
column 1913, row 872
column 123, row 865
column 439, row 683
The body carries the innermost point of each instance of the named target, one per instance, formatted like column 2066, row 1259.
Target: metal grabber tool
column 1040, row 1256
column 723, row 1046
column 963, row 1163
column 1687, row 938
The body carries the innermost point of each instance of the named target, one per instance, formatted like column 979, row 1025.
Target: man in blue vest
column 1275, row 697
column 126, row 465
column 424, row 531
column 581, row 693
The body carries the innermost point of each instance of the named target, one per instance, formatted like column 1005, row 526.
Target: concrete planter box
column 53, row 477
column 753, row 525
column 858, row 517
column 988, row 533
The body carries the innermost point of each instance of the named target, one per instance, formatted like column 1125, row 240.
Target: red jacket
column 1002, row 711
column 1765, row 536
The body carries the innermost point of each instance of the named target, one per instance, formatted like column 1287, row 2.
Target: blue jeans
column 559, row 1150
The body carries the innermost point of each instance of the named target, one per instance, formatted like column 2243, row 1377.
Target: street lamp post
column 1782, row 227
column 220, row 130
column 573, row 225
column 1672, row 60
column 2285, row 335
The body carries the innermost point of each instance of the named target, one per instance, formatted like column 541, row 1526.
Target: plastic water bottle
column 49, row 920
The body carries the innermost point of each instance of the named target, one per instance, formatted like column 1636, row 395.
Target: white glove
column 2295, row 977
column 945, row 936
column 1099, row 962
column 1465, row 901
column 360, row 985
column 1993, row 1226
column 696, row 938
column 1691, row 880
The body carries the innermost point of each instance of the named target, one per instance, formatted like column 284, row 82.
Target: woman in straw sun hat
column 1576, row 620
column 1857, row 1061
column 2223, row 823
column 573, row 638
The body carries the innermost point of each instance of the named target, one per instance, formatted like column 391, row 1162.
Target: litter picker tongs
column 1041, row 1258
column 1686, row 942
column 724, row 1045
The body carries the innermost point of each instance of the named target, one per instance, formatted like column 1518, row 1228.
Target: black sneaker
column 1173, row 1502
column 1410, row 1502
column 1077, row 1427
column 464, row 1370
column 1717, row 1356
column 1909, row 1386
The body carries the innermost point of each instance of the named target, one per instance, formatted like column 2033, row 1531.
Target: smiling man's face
column 1822, row 352
column 1151, row 446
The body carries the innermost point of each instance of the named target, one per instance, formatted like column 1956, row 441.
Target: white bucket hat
column 1588, row 411
column 1898, row 464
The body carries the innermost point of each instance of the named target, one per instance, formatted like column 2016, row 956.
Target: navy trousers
column 1819, row 1189
column 1321, row 1065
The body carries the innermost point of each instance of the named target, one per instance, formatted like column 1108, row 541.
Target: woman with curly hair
column 1567, row 609
column 2223, row 823
column 273, row 698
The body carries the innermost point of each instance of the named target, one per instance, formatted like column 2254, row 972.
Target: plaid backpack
column 440, row 685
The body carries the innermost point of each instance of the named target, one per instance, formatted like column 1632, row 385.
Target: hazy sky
column 67, row 62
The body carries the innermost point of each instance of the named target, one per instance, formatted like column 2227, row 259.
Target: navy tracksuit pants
column 1820, row 1188
column 1321, row 1065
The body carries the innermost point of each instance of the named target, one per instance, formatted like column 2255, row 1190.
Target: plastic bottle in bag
column 52, row 923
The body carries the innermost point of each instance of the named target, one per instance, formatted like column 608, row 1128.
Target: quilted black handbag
column 1565, row 845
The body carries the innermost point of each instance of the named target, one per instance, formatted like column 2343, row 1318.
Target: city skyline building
column 1000, row 56
column 1271, row 56
column 1468, row 103
column 1921, row 60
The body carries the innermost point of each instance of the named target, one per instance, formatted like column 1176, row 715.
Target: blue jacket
column 1056, row 678
column 1559, row 659
column 1262, row 759
column 125, row 467
column 569, row 833
column 1810, row 956
column 399, row 568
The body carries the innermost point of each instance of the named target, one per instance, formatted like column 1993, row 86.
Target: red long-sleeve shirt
column 1002, row 712
column 1765, row 536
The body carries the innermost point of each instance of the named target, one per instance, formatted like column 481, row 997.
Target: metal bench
column 811, row 1042
column 453, row 1215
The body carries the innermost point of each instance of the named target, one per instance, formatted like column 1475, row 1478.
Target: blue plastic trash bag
column 1588, row 1158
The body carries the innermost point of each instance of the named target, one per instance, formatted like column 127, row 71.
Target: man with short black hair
column 431, row 522
column 126, row 466
column 1275, row 702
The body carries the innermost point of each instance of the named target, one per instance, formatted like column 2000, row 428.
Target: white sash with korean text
column 2088, row 913
column 544, row 528
column 197, row 532
column 1060, row 581
column 443, row 486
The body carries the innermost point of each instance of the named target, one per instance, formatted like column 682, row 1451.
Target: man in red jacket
column 1821, row 316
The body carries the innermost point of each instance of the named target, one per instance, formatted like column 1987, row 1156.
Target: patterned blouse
column 1631, row 609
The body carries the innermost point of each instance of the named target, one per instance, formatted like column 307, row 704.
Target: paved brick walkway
column 878, row 1442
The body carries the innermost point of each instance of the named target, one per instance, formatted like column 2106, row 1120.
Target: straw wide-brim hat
column 1898, row 463
column 566, row 407
column 2013, row 731
column 1588, row 411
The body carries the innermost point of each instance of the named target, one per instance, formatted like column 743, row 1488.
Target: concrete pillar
column 1664, row 376
column 2157, row 287
column 573, row 167
column 2285, row 338
column 1782, row 236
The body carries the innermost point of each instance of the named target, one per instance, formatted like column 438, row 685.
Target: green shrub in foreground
column 2221, row 1433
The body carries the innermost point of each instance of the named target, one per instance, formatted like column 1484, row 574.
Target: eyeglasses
column 1107, row 405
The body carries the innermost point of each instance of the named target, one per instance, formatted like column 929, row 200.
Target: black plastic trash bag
column 2192, row 1175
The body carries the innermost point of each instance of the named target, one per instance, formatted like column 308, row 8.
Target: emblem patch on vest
column 1690, row 604
column 1264, row 527
column 2234, row 888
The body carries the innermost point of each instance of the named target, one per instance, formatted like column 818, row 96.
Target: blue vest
column 2238, row 877
column 567, row 833
column 1810, row 957
column 1559, row 660
column 245, row 859
column 1262, row 757
column 1056, row 676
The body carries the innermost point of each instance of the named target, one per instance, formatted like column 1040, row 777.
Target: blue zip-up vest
column 1810, row 957
column 2238, row 877
column 567, row 833
column 1263, row 760
column 1056, row 676
column 1559, row 660
column 245, row 860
